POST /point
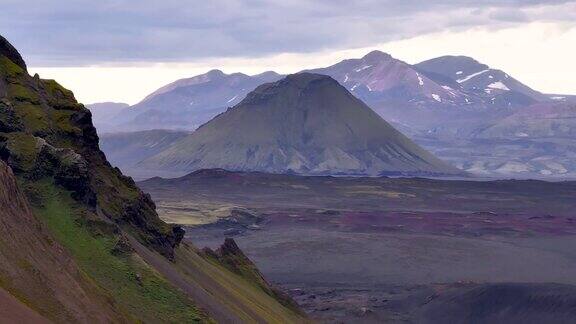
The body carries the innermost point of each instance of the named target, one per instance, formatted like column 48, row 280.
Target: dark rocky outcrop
column 7, row 50
column 46, row 134
column 232, row 258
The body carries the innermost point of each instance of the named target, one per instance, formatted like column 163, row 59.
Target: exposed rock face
column 231, row 257
column 307, row 124
column 7, row 50
column 46, row 134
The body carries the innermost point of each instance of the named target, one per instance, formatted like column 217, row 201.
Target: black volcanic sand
column 399, row 250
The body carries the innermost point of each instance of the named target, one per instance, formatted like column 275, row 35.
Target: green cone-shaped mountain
column 305, row 123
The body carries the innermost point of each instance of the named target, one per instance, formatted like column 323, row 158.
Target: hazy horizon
column 112, row 51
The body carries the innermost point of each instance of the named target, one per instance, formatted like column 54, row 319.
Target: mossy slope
column 89, row 218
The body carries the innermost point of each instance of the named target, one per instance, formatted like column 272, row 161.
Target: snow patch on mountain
column 420, row 81
column 499, row 86
column 363, row 68
column 472, row 76
column 557, row 98
column 450, row 90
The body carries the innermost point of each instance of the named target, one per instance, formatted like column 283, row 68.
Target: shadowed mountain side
column 305, row 123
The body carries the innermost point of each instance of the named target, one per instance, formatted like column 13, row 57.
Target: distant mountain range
column 443, row 103
column 305, row 123
column 457, row 88
column 189, row 103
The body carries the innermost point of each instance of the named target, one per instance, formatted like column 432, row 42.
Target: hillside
column 30, row 276
column 305, row 123
column 95, row 248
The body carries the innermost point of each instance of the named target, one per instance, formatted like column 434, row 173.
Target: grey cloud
column 70, row 33
column 509, row 15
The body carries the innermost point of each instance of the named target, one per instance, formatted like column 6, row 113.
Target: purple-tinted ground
column 398, row 250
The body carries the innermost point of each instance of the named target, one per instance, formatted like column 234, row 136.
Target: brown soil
column 35, row 269
column 13, row 311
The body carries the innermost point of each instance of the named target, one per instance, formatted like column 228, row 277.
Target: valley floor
column 342, row 276
column 397, row 250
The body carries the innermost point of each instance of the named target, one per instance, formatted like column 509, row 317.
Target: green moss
column 61, row 119
column 137, row 288
column 55, row 89
column 59, row 97
column 33, row 117
column 235, row 293
column 10, row 69
column 23, row 150
column 232, row 258
column 19, row 92
column 114, row 193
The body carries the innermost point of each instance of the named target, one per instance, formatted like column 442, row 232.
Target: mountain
column 450, row 95
column 189, row 103
column 80, row 242
column 454, row 106
column 305, row 123
column 535, row 142
column 378, row 76
column 447, row 96
column 539, row 141
column 496, row 86
column 539, row 120
column 104, row 113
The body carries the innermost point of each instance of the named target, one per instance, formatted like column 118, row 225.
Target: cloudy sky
column 121, row 50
